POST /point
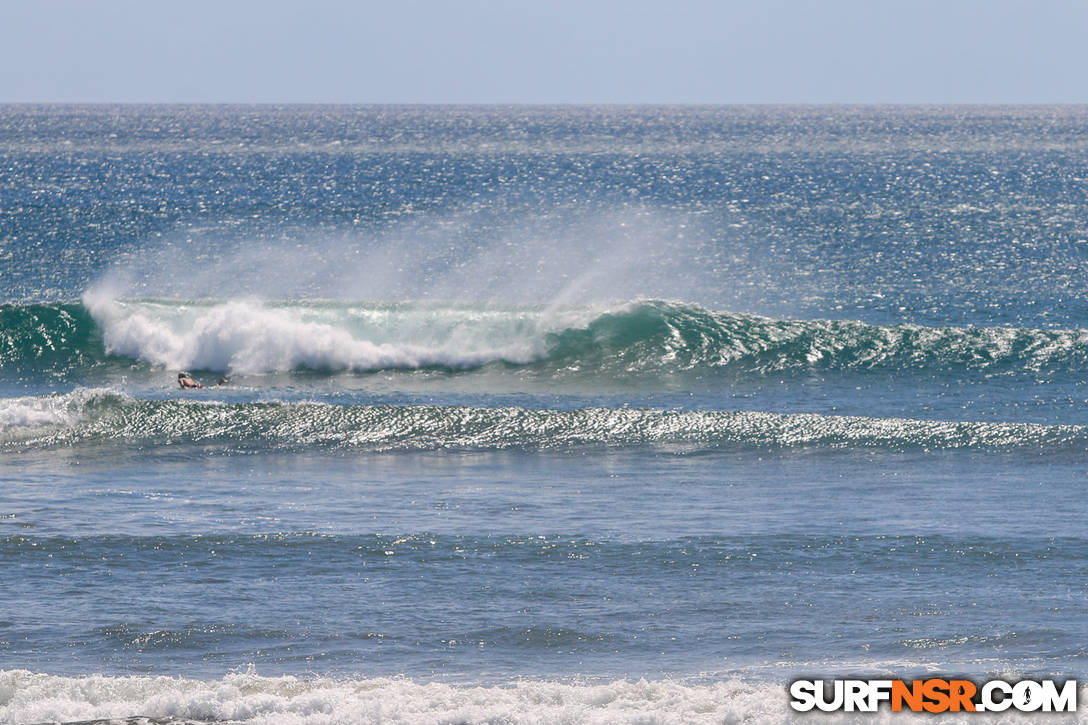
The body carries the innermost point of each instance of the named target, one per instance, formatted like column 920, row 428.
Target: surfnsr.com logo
column 933, row 695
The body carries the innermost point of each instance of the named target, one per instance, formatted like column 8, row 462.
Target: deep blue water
column 703, row 396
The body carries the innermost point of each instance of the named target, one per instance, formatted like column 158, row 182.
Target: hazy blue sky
column 548, row 51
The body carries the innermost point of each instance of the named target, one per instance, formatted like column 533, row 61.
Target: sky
column 545, row 51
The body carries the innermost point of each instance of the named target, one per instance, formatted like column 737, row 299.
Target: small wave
column 30, row 414
column 645, row 338
column 89, row 417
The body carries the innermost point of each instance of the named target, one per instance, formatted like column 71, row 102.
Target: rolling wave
column 96, row 416
column 636, row 338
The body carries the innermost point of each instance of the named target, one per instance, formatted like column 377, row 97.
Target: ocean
column 536, row 414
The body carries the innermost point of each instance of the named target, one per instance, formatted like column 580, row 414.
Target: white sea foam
column 29, row 413
column 248, row 336
column 27, row 697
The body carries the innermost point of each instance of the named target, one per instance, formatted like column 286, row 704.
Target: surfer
column 185, row 381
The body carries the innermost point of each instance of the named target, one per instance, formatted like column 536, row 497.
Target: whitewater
column 535, row 415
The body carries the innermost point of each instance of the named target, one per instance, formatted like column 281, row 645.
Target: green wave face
column 632, row 339
column 56, row 337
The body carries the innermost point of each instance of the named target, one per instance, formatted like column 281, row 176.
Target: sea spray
column 466, row 256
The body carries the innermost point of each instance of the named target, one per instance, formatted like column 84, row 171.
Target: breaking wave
column 635, row 338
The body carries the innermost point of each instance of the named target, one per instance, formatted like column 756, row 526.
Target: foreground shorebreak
column 250, row 700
